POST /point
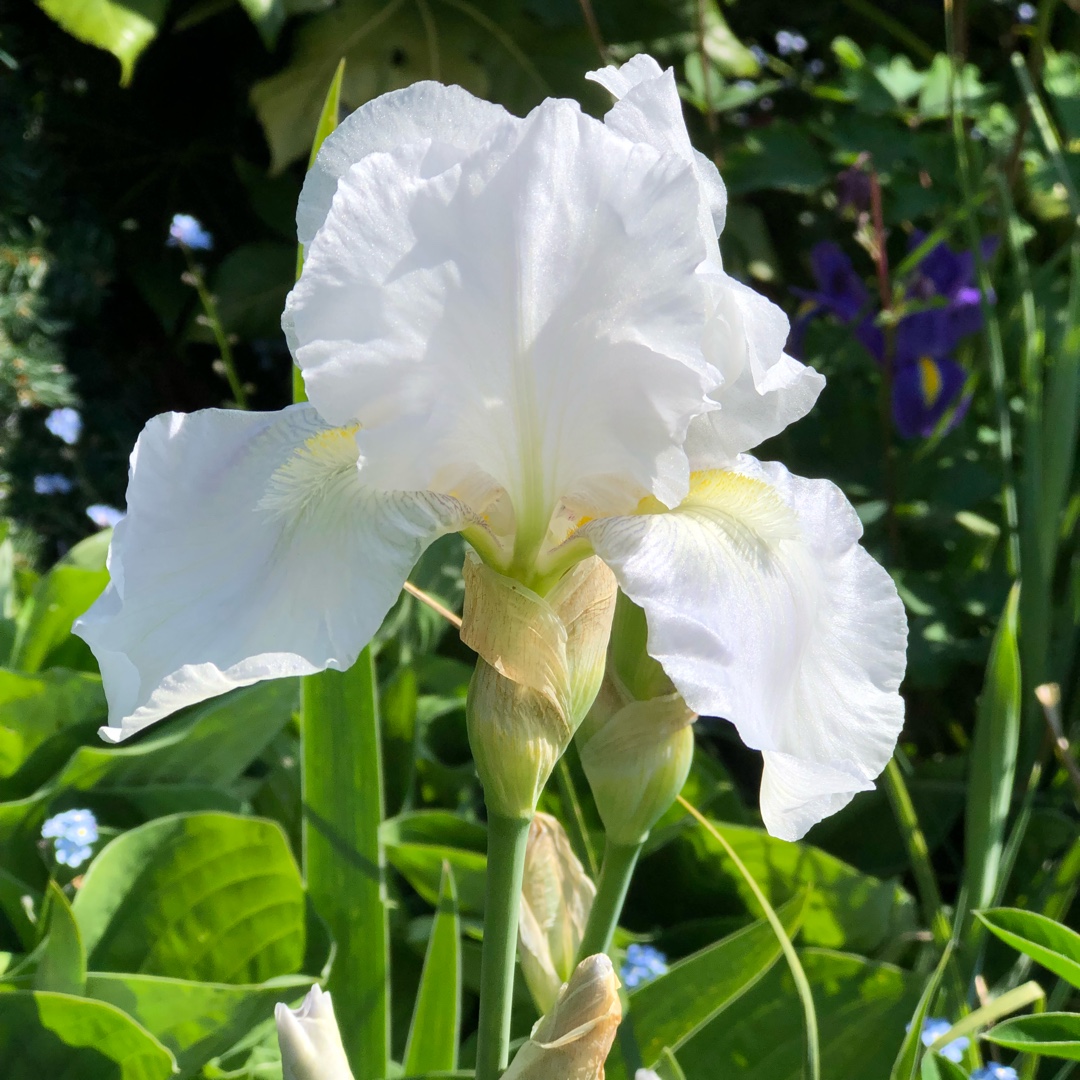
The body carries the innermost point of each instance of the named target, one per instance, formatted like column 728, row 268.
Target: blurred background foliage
column 837, row 123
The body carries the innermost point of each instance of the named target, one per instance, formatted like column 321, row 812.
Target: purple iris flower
column 944, row 306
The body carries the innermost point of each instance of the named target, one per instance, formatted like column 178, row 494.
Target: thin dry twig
column 440, row 609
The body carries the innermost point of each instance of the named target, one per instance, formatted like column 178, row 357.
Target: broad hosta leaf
column 71, row 1038
column 1050, row 1034
column 434, row 1033
column 63, row 594
column 124, row 29
column 211, row 897
column 42, row 718
column 494, row 48
column 195, row 1020
column 1055, row 947
column 862, row 1008
column 667, row 1011
column 62, row 964
column 847, row 910
column 210, row 744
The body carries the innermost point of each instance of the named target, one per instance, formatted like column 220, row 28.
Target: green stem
column 615, row 874
column 572, row 804
column 918, row 852
column 502, row 900
column 213, row 320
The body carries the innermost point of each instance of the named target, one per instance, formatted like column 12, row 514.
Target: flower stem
column 918, row 852
column 615, row 874
column 217, row 328
column 505, row 865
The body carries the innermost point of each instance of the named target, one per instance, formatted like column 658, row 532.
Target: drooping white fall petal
column 250, row 551
column 763, row 609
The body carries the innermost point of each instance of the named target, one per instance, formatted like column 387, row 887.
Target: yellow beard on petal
column 305, row 476
column 929, row 380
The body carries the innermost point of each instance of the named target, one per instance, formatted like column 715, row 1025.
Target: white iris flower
column 519, row 329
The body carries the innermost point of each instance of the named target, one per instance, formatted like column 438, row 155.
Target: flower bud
column 556, row 898
column 637, row 743
column 572, row 1041
column 310, row 1041
column 541, row 661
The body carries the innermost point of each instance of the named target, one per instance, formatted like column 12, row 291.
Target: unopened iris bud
column 310, row 1041
column 637, row 743
column 572, row 1041
column 541, row 662
column 556, row 898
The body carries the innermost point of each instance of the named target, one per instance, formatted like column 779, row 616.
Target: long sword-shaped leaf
column 436, row 1020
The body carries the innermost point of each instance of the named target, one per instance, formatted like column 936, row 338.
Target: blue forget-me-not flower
column 643, row 963
column 995, row 1072
column 941, row 305
column 932, row 1030
column 52, row 484
column 187, row 231
column 65, row 424
column 73, row 832
column 103, row 516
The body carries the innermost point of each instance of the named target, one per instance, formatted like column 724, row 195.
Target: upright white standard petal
column 251, row 550
column 763, row 389
column 447, row 120
column 310, row 1040
column 648, row 109
column 528, row 319
column 763, row 609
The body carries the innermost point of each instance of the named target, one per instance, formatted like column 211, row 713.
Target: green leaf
column 62, row 963
column 195, row 1020
column 418, row 845
column 64, row 594
column 211, row 897
column 847, row 909
column 497, row 50
column 1049, row 1034
column 668, row 1067
column 71, row 1038
column 668, row 1011
column 907, row 1057
column 344, row 861
column 436, row 1022
column 268, row 17
column 861, row 1008
column 210, row 744
column 780, row 156
column 122, row 28
column 20, row 834
column 969, row 90
column 42, row 719
column 1055, row 947
column 935, row 1067
column 993, row 761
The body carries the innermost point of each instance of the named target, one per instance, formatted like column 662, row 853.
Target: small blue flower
column 788, row 42
column 995, row 1072
column 643, row 963
column 52, row 484
column 1026, row 13
column 187, row 231
column 816, row 68
column 72, row 832
column 65, row 424
column 104, row 517
column 933, row 1028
